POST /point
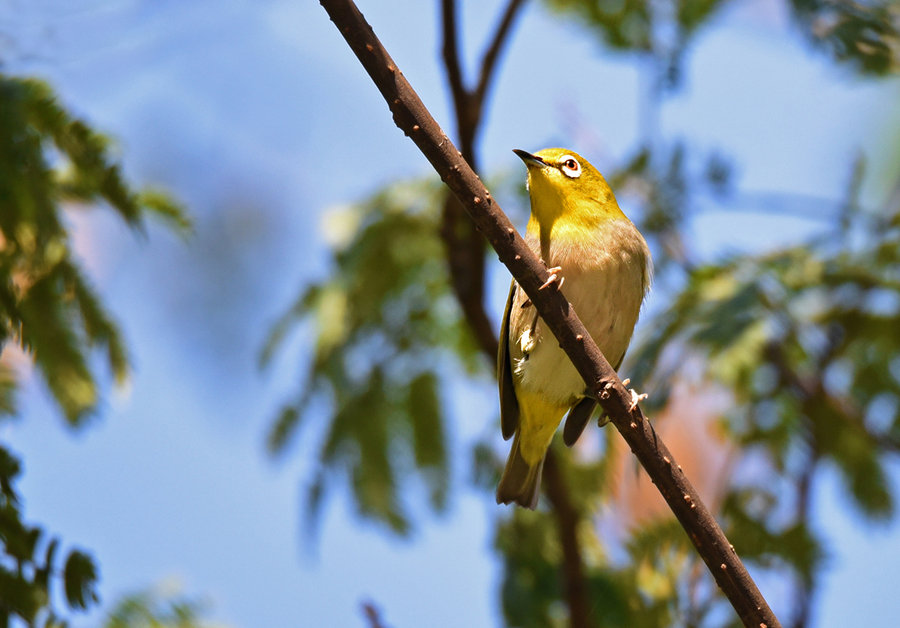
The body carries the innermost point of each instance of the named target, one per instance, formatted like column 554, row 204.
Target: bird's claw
column 553, row 278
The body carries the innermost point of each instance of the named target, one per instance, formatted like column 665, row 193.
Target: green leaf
column 155, row 608
column 47, row 304
column 863, row 34
column 428, row 438
column 80, row 580
column 285, row 425
column 161, row 204
column 380, row 323
column 8, row 385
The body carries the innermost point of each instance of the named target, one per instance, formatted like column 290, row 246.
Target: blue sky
column 260, row 119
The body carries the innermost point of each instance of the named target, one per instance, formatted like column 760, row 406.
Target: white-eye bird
column 603, row 267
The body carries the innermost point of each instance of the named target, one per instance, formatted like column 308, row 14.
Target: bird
column 602, row 265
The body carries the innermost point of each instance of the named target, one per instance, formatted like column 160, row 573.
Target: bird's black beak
column 529, row 159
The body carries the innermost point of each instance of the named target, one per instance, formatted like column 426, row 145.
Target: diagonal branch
column 411, row 115
column 373, row 617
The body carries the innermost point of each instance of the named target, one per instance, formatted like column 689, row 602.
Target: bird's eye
column 570, row 167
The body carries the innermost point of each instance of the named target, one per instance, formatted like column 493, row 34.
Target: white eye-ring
column 570, row 166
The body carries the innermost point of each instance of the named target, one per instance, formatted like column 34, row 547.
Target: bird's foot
column 554, row 278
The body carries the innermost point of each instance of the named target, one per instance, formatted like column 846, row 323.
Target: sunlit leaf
column 47, row 305
column 381, row 324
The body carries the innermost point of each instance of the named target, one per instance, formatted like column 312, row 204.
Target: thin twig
column 803, row 589
column 373, row 617
column 411, row 115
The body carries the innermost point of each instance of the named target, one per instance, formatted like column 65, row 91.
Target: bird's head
column 565, row 186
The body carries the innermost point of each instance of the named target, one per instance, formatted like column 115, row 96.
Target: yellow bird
column 602, row 264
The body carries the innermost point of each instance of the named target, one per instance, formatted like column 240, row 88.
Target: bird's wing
column 580, row 414
column 577, row 419
column 509, row 405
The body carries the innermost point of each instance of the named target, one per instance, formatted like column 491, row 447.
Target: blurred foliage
column 382, row 322
column 30, row 564
column 864, row 35
column 156, row 609
column 51, row 161
column 49, row 158
column 641, row 589
column 806, row 341
column 803, row 340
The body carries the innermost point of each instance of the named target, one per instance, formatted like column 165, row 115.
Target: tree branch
column 373, row 618
column 410, row 114
column 489, row 61
column 567, row 517
column 462, row 99
column 466, row 261
column 463, row 244
column 803, row 590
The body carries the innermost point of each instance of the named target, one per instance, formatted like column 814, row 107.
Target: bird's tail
column 521, row 482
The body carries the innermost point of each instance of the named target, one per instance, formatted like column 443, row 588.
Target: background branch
column 464, row 247
column 373, row 617
column 492, row 53
column 453, row 66
column 410, row 114
column 567, row 518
